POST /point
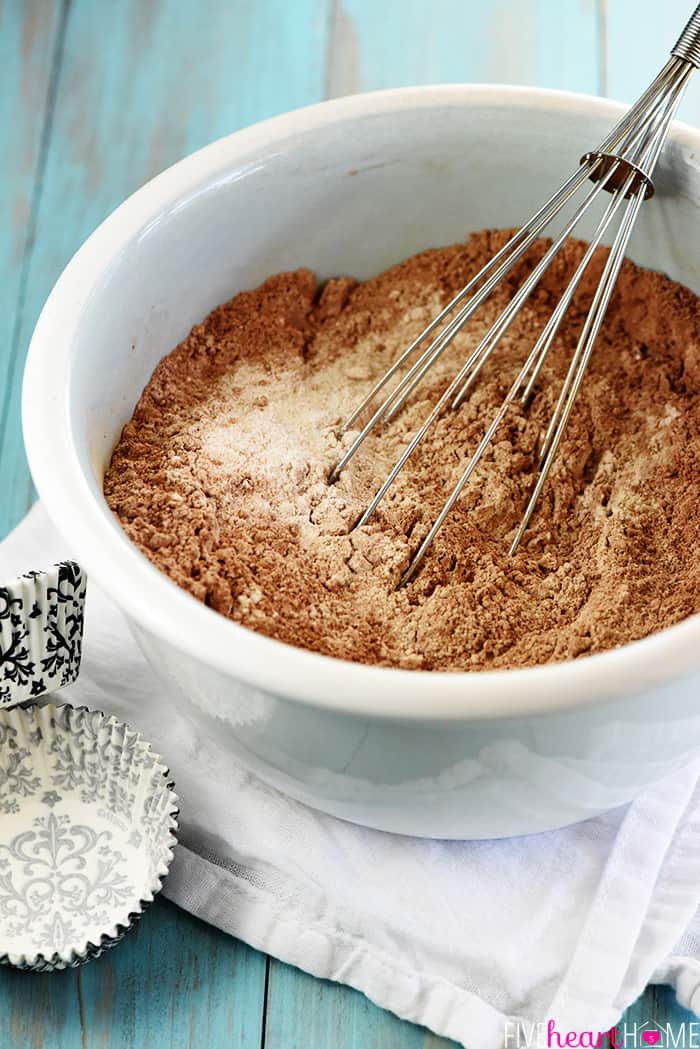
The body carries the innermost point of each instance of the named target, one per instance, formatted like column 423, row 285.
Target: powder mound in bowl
column 220, row 478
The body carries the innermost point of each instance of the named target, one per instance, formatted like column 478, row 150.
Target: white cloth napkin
column 468, row 938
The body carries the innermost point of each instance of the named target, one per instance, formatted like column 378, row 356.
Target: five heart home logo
column 545, row 1034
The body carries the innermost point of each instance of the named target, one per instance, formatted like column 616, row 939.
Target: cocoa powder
column 220, row 478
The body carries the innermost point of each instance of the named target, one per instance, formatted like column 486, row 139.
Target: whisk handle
column 688, row 43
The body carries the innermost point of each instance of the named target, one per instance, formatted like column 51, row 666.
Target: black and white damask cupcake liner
column 41, row 631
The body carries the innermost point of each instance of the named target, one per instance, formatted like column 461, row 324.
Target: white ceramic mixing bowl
column 352, row 186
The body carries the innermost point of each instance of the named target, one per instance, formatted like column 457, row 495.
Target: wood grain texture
column 396, row 42
column 99, row 96
column 173, row 983
column 306, row 1013
column 30, row 40
column 658, row 1005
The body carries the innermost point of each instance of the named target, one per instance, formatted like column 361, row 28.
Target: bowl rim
column 176, row 617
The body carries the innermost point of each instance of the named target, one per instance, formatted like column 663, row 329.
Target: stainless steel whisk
column 622, row 165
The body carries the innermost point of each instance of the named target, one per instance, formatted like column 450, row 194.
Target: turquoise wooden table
column 96, row 96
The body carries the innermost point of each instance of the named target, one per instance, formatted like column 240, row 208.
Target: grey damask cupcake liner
column 41, row 630
column 88, row 822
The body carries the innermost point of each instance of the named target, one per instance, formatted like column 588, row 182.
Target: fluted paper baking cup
column 88, row 822
column 41, row 631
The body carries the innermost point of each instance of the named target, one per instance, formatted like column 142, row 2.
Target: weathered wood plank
column 30, row 38
column 173, row 983
column 412, row 42
column 658, row 1007
column 668, row 1011
column 306, row 1013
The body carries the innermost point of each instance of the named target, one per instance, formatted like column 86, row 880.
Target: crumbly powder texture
column 220, row 478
